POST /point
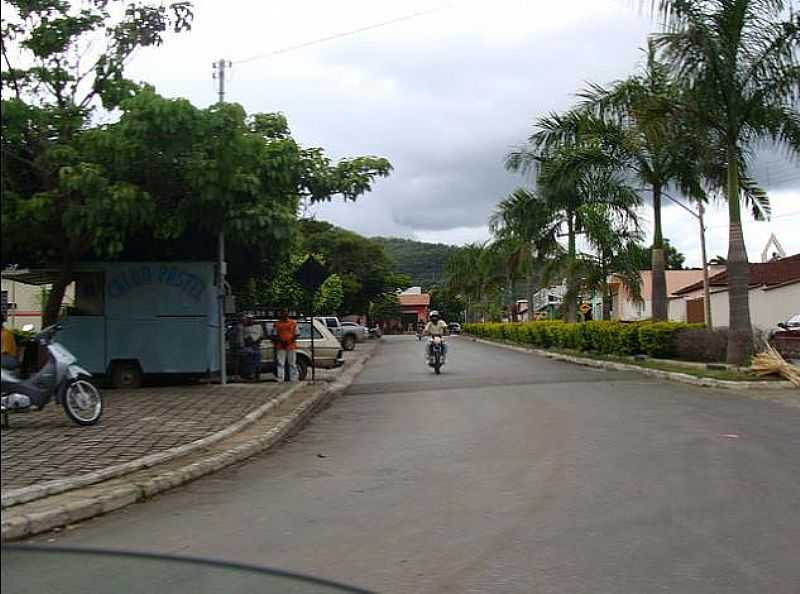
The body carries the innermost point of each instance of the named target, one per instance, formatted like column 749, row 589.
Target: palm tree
column 574, row 170
column 640, row 115
column 739, row 59
column 527, row 225
column 475, row 273
column 617, row 251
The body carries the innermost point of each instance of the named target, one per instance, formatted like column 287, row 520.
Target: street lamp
column 706, row 291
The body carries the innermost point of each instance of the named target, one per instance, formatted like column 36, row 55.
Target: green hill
column 423, row 262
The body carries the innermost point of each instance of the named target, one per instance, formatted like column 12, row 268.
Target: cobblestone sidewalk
column 43, row 446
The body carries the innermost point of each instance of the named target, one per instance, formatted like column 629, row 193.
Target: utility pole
column 219, row 74
column 701, row 210
column 706, row 290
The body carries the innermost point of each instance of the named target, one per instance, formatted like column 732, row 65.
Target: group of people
column 247, row 341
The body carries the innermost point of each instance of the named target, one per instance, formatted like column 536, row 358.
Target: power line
column 335, row 36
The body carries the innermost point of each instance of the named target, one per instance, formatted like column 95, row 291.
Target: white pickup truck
column 348, row 333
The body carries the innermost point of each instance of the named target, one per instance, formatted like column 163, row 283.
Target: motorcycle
column 60, row 378
column 436, row 353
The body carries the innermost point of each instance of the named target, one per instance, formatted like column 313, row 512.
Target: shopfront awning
column 37, row 277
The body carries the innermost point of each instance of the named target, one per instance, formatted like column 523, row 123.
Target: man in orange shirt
column 9, row 345
column 286, row 346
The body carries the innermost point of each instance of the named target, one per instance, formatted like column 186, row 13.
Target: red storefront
column 414, row 308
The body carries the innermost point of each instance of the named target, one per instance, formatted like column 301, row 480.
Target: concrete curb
column 12, row 497
column 659, row 373
column 120, row 492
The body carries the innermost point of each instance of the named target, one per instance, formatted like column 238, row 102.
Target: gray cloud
column 443, row 101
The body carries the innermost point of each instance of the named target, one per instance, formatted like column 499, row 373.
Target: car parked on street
column 362, row 332
column 454, row 328
column 348, row 336
column 327, row 349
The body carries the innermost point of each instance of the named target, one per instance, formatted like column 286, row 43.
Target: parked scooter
column 61, row 378
column 436, row 354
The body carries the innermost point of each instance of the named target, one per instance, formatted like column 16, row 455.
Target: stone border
column 100, row 499
column 659, row 373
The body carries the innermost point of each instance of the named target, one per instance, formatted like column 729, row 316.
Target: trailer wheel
column 126, row 375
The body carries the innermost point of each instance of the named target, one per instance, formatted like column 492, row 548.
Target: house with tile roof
column 774, row 295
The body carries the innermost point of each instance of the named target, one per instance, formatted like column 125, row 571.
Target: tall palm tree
column 527, row 224
column 740, row 61
column 640, row 114
column 574, row 170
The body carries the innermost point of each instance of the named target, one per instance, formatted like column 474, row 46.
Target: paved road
column 508, row 474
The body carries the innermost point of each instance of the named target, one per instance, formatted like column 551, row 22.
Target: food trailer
column 131, row 319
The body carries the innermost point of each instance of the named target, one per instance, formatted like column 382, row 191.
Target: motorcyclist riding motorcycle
column 435, row 327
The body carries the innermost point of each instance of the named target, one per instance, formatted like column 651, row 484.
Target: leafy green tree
column 450, row 306
column 58, row 202
column 741, row 64
column 362, row 265
column 673, row 259
column 163, row 170
column 385, row 308
column 329, row 296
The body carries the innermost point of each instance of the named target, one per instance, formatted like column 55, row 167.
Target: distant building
column 414, row 307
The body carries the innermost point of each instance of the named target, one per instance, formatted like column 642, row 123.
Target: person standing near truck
column 249, row 337
column 286, row 347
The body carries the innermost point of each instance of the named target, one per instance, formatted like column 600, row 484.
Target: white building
column 774, row 295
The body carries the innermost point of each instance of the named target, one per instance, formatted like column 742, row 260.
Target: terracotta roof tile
column 415, row 299
column 762, row 274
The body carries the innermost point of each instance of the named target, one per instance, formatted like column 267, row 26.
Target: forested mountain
column 423, row 262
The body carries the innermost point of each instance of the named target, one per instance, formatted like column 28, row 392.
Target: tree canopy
column 162, row 173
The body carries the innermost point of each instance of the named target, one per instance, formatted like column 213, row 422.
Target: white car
column 362, row 333
column 791, row 325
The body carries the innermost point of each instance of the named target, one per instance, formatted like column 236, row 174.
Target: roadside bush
column 706, row 345
column 657, row 339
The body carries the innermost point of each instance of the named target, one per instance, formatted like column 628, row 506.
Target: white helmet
column 434, row 314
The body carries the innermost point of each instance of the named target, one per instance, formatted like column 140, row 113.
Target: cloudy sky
column 443, row 95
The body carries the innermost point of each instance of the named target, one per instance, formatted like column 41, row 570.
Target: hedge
column 656, row 339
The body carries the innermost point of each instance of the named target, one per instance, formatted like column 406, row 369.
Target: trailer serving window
column 89, row 294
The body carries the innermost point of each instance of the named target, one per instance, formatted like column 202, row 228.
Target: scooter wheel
column 83, row 403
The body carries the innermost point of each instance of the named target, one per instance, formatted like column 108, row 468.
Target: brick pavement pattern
column 46, row 445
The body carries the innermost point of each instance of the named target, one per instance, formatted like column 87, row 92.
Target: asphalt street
column 509, row 473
